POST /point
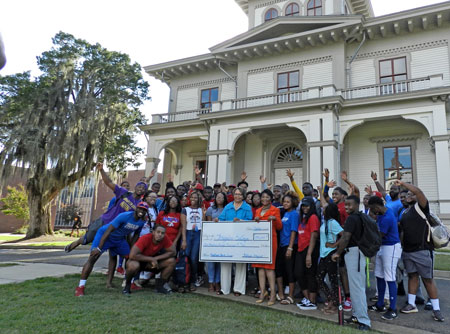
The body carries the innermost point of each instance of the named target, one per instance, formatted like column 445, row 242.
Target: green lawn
column 10, row 237
column 442, row 262
column 48, row 306
column 8, row 264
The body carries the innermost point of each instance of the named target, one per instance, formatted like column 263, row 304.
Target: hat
column 307, row 201
column 198, row 186
column 378, row 194
column 232, row 185
column 143, row 184
column 142, row 205
column 217, row 185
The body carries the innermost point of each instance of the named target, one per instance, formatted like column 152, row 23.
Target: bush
column 15, row 203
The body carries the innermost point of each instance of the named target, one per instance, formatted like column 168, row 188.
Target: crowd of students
column 318, row 240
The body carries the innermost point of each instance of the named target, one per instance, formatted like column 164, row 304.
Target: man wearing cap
column 125, row 201
column 217, row 187
column 113, row 236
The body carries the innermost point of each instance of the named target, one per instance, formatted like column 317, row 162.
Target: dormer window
column 314, row 7
column 293, row 10
column 271, row 14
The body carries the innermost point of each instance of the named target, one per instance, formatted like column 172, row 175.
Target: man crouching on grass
column 152, row 252
column 113, row 236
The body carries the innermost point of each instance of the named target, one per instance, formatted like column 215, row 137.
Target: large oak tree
column 82, row 108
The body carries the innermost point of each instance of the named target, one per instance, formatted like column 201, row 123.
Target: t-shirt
column 334, row 228
column 290, row 223
column 125, row 201
column 171, row 221
column 342, row 213
column 353, row 225
column 124, row 224
column 243, row 213
column 415, row 230
column 394, row 205
column 305, row 230
column 193, row 218
column 148, row 248
column 207, row 204
column 388, row 225
column 280, row 207
column 213, row 212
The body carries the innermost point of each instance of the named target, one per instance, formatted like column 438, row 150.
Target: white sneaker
column 308, row 306
column 303, row 302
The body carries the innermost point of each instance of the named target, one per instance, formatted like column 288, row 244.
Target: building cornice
column 292, row 65
column 207, row 83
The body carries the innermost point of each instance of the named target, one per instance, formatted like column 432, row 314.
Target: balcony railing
column 392, row 88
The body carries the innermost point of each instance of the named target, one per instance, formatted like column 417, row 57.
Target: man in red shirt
column 152, row 252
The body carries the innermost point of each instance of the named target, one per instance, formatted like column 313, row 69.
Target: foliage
column 83, row 108
column 15, row 203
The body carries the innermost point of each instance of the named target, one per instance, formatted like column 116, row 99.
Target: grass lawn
column 442, row 262
column 47, row 305
column 10, row 237
column 8, row 264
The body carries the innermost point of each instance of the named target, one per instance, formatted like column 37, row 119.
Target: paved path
column 35, row 263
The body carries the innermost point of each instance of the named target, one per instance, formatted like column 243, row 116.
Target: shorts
column 386, row 262
column 421, row 262
column 115, row 247
column 91, row 232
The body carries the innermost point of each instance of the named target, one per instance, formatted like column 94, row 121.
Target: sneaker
column 67, row 248
column 126, row 291
column 308, row 306
column 304, row 301
column 199, row 282
column 79, row 291
column 135, row 287
column 351, row 320
column 409, row 309
column 377, row 308
column 363, row 327
column 164, row 289
column 374, row 298
column 120, row 270
column 438, row 316
column 420, row 301
column 390, row 315
column 347, row 305
column 428, row 306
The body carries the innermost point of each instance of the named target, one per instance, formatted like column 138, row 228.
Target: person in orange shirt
column 271, row 213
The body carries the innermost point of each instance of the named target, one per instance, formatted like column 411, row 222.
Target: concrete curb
column 318, row 315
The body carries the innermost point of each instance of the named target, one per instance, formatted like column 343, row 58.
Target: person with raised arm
column 418, row 255
column 392, row 199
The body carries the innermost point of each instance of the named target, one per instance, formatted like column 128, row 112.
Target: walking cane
column 340, row 307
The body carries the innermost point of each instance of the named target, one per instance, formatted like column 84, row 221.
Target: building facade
column 314, row 84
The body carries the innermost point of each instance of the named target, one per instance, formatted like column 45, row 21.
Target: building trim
column 408, row 137
column 268, row 3
column 206, row 83
column 403, row 49
column 292, row 65
column 322, row 143
column 441, row 138
column 220, row 152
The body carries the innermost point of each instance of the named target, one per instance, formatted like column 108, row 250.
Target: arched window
column 292, row 10
column 271, row 14
column 314, row 7
column 289, row 153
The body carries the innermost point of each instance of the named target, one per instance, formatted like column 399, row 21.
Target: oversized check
column 242, row 242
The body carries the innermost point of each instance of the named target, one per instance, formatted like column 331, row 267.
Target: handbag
column 437, row 231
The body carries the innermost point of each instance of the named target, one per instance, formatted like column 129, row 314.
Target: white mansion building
column 314, row 84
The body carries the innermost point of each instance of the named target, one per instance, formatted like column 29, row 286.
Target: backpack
column 437, row 231
column 370, row 242
column 182, row 271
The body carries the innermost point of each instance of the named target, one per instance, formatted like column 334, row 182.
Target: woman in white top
column 191, row 222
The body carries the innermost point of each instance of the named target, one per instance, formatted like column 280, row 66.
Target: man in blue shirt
column 387, row 257
column 392, row 199
column 113, row 236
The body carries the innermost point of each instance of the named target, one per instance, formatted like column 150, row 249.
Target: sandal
column 220, row 292
column 261, row 299
column 287, row 301
column 237, row 294
column 272, row 302
column 192, row 288
column 211, row 287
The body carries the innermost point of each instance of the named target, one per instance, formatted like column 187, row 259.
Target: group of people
column 319, row 243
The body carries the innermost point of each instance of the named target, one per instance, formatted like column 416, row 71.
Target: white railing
column 392, row 88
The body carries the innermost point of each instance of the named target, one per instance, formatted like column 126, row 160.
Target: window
column 288, row 81
column 293, row 10
column 208, row 96
column 392, row 70
column 397, row 164
column 314, row 7
column 271, row 14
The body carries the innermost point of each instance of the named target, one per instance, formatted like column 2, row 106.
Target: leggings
column 327, row 266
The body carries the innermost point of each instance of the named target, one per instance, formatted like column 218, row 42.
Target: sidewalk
column 23, row 271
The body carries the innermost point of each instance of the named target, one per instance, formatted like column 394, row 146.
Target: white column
column 443, row 172
column 224, row 169
column 330, row 151
column 315, row 173
column 150, row 164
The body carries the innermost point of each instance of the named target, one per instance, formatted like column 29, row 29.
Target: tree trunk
column 40, row 223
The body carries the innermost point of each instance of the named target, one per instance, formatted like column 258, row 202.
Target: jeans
column 192, row 251
column 213, row 272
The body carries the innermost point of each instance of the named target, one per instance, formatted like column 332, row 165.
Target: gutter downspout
column 349, row 65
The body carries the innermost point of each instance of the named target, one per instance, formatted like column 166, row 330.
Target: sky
column 149, row 31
